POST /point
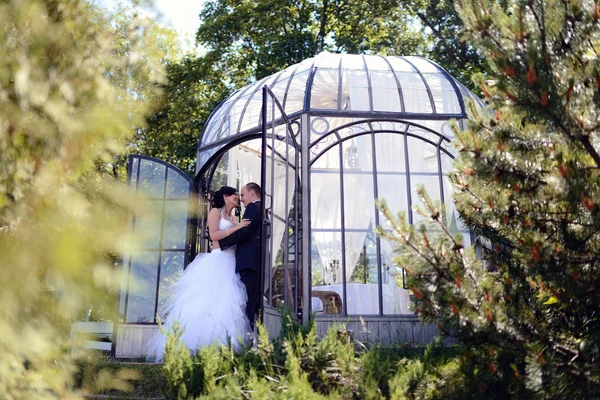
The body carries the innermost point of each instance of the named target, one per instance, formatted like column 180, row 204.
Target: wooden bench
column 98, row 336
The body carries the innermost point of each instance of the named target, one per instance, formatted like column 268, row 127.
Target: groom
column 247, row 253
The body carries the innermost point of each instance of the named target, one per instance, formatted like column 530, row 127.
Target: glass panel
column 353, row 61
column 326, row 231
column 453, row 220
column 422, row 156
column 327, row 271
column 390, row 152
column 444, row 96
column 328, row 60
column 124, row 278
column 377, row 63
column 252, row 114
column 279, row 88
column 432, row 187
column 148, row 224
column 399, row 65
column 423, row 65
column 205, row 155
column 386, row 96
column 416, row 99
column 175, row 226
column 392, row 188
column 424, row 171
column 177, row 186
column 294, row 100
column 142, row 287
column 396, row 299
column 152, row 179
column 362, row 290
column 324, row 94
column 355, row 90
column 220, row 176
column 134, row 172
column 170, row 272
column 424, row 133
column 236, row 111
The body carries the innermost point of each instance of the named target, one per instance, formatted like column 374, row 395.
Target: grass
column 98, row 375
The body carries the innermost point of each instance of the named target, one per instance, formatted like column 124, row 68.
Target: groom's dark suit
column 247, row 256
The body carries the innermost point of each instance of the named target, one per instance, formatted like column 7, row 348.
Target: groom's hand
column 252, row 213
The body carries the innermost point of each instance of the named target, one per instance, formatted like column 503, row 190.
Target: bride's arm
column 213, row 226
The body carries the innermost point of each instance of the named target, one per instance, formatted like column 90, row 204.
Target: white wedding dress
column 209, row 301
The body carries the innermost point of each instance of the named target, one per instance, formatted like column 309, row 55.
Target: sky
column 182, row 15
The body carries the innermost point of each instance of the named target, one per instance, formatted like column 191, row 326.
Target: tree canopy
column 527, row 186
column 69, row 96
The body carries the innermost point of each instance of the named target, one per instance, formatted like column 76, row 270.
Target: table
column 362, row 298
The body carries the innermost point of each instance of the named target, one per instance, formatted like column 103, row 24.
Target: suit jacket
column 247, row 240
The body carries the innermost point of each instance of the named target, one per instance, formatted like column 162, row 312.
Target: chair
column 98, row 333
column 332, row 302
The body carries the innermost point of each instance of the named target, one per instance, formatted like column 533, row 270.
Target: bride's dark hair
column 218, row 199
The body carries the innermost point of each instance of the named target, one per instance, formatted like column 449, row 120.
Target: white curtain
column 325, row 192
column 245, row 164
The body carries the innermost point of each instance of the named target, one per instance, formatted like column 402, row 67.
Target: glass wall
column 352, row 269
column 158, row 249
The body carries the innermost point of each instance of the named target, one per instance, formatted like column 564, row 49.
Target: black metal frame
column 220, row 145
column 267, row 249
column 372, row 132
column 159, row 250
column 333, row 112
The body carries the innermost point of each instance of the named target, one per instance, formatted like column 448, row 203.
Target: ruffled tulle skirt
column 209, row 302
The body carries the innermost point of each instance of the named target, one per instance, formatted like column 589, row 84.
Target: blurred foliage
column 527, row 186
column 96, row 374
column 298, row 365
column 70, row 97
column 189, row 96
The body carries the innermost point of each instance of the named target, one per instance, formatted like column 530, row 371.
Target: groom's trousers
column 250, row 280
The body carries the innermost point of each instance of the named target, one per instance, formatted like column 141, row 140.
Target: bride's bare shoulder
column 215, row 213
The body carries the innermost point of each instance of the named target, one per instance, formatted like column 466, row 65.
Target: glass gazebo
column 325, row 138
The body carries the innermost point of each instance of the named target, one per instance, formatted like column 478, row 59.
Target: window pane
column 392, row 189
column 324, row 94
column 390, row 152
column 361, row 271
column 444, row 95
column 177, row 186
column 325, row 196
column 355, row 90
column 386, row 96
column 170, row 272
column 294, row 100
column 422, row 156
column 142, row 287
column 148, row 224
column 175, row 228
column 152, row 179
column 134, row 172
column 414, row 92
column 396, row 299
column 124, row 278
column 432, row 187
column 327, row 271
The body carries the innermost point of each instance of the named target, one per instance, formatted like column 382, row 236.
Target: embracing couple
column 217, row 297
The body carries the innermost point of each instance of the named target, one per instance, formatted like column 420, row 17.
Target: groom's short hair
column 254, row 187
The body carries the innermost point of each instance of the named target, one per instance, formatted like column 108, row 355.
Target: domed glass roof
column 344, row 85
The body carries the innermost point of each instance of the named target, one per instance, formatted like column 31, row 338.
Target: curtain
column 245, row 165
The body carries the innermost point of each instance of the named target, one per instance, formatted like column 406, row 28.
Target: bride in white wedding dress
column 209, row 300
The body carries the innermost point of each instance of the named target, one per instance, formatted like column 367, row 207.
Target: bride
column 209, row 300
